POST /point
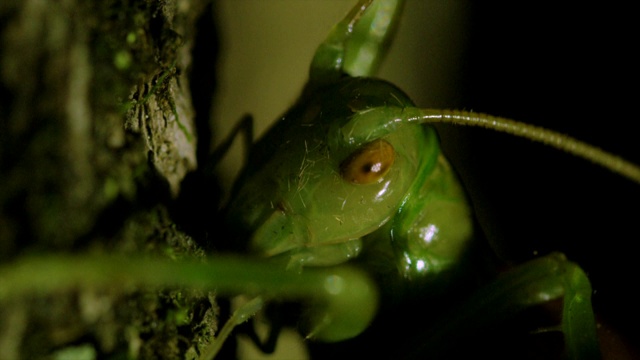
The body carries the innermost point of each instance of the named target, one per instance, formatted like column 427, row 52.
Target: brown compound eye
column 369, row 163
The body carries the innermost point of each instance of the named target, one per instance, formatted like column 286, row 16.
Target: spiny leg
column 245, row 127
column 533, row 283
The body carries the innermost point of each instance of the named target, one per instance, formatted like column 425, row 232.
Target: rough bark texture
column 97, row 132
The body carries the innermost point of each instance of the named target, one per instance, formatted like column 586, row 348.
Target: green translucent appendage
column 356, row 44
column 533, row 283
column 578, row 321
column 343, row 299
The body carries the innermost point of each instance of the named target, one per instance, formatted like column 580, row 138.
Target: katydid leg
column 533, row 283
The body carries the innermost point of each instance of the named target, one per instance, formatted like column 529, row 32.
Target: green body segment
column 367, row 45
column 357, row 44
column 432, row 231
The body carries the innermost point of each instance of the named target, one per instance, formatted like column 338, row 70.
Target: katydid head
column 335, row 168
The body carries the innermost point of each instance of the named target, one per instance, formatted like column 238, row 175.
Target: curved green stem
column 344, row 298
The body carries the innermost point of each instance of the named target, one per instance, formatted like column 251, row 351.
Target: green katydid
column 365, row 119
column 305, row 210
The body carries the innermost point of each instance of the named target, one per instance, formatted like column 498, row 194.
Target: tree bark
column 97, row 132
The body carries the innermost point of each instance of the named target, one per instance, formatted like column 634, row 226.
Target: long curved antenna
column 557, row 140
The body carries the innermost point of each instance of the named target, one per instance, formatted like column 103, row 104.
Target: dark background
column 571, row 69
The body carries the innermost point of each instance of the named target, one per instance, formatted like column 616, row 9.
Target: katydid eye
column 369, row 163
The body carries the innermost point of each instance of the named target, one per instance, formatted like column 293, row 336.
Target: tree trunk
column 98, row 130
